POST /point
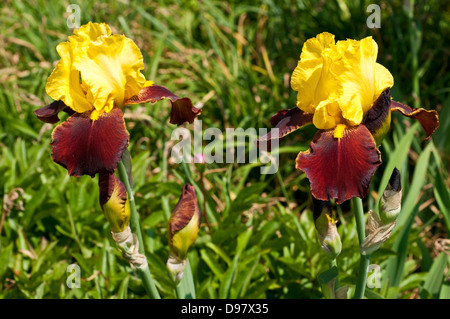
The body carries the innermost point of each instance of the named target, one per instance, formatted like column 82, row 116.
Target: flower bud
column 390, row 204
column 114, row 202
column 328, row 235
column 184, row 224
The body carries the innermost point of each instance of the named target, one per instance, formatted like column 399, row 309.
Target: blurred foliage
column 258, row 238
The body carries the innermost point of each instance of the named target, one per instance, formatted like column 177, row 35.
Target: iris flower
column 345, row 94
column 98, row 74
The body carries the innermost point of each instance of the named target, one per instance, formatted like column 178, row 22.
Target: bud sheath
column 392, row 199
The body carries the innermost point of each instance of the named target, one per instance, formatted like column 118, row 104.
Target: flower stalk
column 143, row 272
column 358, row 212
column 379, row 227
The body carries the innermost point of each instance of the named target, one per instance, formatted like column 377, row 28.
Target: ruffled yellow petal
column 308, row 72
column 338, row 83
column 92, row 31
column 325, row 117
column 97, row 70
column 110, row 68
column 64, row 82
column 329, row 87
column 383, row 80
column 313, row 48
column 304, row 80
column 357, row 75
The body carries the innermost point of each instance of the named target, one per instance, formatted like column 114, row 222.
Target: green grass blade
column 420, row 174
column 434, row 279
column 406, row 218
column 397, row 158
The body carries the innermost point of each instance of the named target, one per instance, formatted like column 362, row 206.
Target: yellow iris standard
column 97, row 71
column 98, row 74
column 339, row 81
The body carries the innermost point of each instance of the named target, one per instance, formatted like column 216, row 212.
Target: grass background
column 235, row 58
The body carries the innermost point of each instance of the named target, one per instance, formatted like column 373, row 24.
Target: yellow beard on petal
column 339, row 131
column 148, row 83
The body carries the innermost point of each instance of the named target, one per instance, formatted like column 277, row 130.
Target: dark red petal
column 287, row 121
column 428, row 119
column 182, row 108
column 49, row 113
column 87, row 147
column 277, row 117
column 340, row 168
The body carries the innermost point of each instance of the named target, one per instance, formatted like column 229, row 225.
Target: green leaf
column 327, row 281
column 228, row 277
column 212, row 263
column 420, row 174
column 219, row 251
column 39, row 294
column 370, row 294
column 248, row 275
column 18, row 126
column 397, row 158
column 445, row 290
column 405, row 220
column 427, row 259
column 434, row 279
column 442, row 195
column 123, row 289
column 242, row 240
column 395, row 265
column 327, row 276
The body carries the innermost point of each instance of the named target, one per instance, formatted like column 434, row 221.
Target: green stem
column 180, row 290
column 186, row 289
column 190, row 280
column 148, row 282
column 134, row 220
column 362, row 278
column 135, row 226
column 333, row 263
column 358, row 211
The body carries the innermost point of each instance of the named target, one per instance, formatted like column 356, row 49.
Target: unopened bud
column 330, row 240
column 184, row 224
column 114, row 202
column 391, row 200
